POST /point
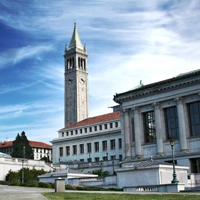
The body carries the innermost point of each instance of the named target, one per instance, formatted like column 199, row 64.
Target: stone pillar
column 137, row 130
column 182, row 126
column 127, row 135
column 159, row 129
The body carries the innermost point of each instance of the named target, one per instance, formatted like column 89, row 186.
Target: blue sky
column 127, row 41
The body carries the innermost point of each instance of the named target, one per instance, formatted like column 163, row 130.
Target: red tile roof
column 94, row 120
column 32, row 144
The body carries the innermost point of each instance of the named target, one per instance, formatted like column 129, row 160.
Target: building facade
column 40, row 149
column 94, row 139
column 76, row 81
column 154, row 114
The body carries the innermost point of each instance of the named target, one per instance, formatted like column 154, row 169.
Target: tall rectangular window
column 149, row 127
column 81, row 148
column 96, row 146
column 111, row 125
column 67, row 150
column 194, row 117
column 112, row 144
column 172, row 127
column 195, row 165
column 105, row 126
column 89, row 150
column 120, row 143
column 104, row 145
column 85, row 130
column 90, row 129
column 95, row 128
column 116, row 124
column 74, row 149
column 100, row 127
column 61, row 151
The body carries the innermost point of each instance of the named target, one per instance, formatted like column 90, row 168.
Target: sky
column 127, row 41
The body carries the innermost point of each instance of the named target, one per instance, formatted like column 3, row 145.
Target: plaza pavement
column 21, row 193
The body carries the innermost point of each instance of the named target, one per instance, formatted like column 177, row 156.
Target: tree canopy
column 21, row 147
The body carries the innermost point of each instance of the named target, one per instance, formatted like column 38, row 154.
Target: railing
column 147, row 189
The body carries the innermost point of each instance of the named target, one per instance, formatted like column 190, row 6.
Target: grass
column 97, row 196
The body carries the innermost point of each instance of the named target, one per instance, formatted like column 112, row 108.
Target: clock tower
column 76, row 80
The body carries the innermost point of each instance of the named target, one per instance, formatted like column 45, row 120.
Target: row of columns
column 127, row 136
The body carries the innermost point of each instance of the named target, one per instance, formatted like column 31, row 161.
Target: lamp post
column 101, row 162
column 23, row 164
column 174, row 181
column 113, row 167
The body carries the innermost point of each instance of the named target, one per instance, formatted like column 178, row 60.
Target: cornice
column 162, row 86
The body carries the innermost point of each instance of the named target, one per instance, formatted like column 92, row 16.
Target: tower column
column 137, row 129
column 159, row 130
column 182, row 126
column 127, row 134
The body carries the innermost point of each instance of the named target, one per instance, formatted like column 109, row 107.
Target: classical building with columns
column 156, row 113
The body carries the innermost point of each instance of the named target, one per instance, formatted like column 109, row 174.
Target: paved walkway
column 21, row 193
column 18, row 193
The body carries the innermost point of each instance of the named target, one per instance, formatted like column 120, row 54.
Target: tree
column 21, row 147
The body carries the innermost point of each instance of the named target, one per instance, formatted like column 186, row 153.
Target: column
column 127, row 136
column 137, row 130
column 159, row 129
column 182, row 126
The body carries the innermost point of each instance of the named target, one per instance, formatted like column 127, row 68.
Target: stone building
column 76, row 80
column 90, row 140
column 84, row 139
column 40, row 149
column 154, row 114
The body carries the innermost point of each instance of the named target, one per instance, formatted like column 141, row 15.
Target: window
column 95, row 128
column 96, row 159
column 111, row 125
column 116, row 124
column 149, row 127
column 112, row 144
column 120, row 143
column 76, row 131
column 194, row 117
column 81, row 131
column 89, row 147
column 81, row 148
column 113, row 157
column 74, row 149
column 90, row 129
column 120, row 157
column 195, row 165
column 85, row 130
column 105, row 126
column 71, row 132
column 62, row 134
column 105, row 158
column 104, row 145
column 172, row 128
column 82, row 160
column 133, row 130
column 61, row 151
column 67, row 150
column 100, row 127
column 96, row 146
column 67, row 133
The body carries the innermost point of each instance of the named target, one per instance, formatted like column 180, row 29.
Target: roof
column 159, row 86
column 146, row 163
column 95, row 120
column 32, row 144
column 4, row 155
column 75, row 40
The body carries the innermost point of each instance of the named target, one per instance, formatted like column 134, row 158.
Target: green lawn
column 94, row 196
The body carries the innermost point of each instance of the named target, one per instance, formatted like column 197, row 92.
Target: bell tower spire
column 76, row 80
